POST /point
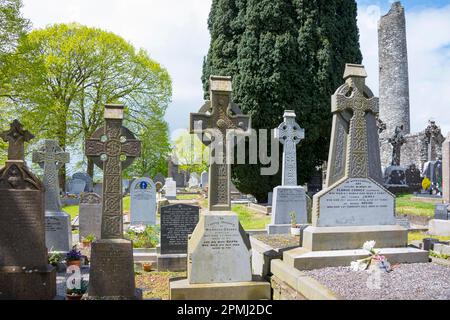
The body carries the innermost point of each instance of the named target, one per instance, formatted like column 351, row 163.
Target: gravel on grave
column 419, row 281
column 279, row 241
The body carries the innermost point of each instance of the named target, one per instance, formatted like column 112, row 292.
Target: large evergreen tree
column 290, row 55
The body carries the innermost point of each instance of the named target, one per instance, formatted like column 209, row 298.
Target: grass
column 249, row 219
column 156, row 284
column 74, row 211
column 188, row 197
column 405, row 205
column 419, row 236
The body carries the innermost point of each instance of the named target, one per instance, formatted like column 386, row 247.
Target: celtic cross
column 220, row 118
column 51, row 158
column 16, row 136
column 289, row 133
column 112, row 148
column 355, row 97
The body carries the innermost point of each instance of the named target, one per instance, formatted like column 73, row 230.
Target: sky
column 175, row 34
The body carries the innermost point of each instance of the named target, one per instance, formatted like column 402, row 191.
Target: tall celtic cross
column 289, row 133
column 355, row 97
column 16, row 137
column 220, row 118
column 51, row 157
column 113, row 148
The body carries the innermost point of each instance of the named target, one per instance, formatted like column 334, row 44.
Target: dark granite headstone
column 441, row 212
column 24, row 270
column 413, row 178
column 177, row 223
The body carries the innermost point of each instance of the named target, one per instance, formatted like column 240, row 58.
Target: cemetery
column 264, row 196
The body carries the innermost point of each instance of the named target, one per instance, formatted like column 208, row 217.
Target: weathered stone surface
column 58, row 232
column 218, row 252
column 24, row 270
column 394, row 81
column 143, row 202
column 171, row 189
column 204, row 179
column 446, row 170
column 86, row 178
column 112, row 272
column 76, row 186
column 177, row 223
column 90, row 215
column 439, row 228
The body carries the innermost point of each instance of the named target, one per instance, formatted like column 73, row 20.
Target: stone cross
column 397, row 141
column 289, row 133
column 52, row 158
column 113, row 148
column 224, row 118
column 354, row 98
column 16, row 136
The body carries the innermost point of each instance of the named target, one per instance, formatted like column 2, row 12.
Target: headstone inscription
column 355, row 199
column 58, row 229
column 219, row 257
column 112, row 148
column 24, row 270
column 288, row 198
column 178, row 221
column 90, row 216
column 171, row 189
column 143, row 202
column 89, row 187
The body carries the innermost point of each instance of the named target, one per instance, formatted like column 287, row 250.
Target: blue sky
column 175, row 34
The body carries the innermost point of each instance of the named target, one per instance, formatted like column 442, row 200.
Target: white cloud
column 429, row 61
column 174, row 32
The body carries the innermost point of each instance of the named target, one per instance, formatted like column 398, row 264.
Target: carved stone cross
column 289, row 133
column 357, row 98
column 51, row 158
column 220, row 118
column 16, row 136
column 113, row 148
column 397, row 141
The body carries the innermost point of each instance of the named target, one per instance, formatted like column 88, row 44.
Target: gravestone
column 270, row 198
column 143, row 202
column 177, row 223
column 413, row 178
column 446, row 170
column 24, row 270
column 160, row 178
column 395, row 175
column 441, row 211
column 288, row 198
column 86, row 178
column 112, row 148
column 354, row 208
column 58, row 228
column 194, row 181
column 76, row 186
column 315, row 184
column 90, row 215
column 174, row 173
column 433, row 171
column 219, row 257
column 171, row 189
column 204, row 178
column 126, row 185
column 98, row 189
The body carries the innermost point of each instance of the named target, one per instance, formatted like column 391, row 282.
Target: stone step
column 303, row 259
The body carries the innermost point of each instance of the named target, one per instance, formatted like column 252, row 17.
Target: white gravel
column 421, row 281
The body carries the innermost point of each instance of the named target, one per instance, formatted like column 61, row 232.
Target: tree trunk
column 90, row 168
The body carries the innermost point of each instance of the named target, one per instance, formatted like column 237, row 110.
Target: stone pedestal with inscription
column 112, row 270
column 287, row 200
column 24, row 270
column 355, row 207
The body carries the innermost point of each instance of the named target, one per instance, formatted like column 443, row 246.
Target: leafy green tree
column 291, row 55
column 65, row 74
column 191, row 153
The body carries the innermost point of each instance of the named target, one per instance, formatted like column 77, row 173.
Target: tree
column 290, row 56
column 191, row 153
column 65, row 74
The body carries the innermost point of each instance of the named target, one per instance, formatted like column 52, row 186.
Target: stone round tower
column 394, row 81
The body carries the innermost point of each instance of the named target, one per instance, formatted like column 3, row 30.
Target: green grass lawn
column 249, row 219
column 74, row 211
column 405, row 205
column 188, row 196
column 419, row 236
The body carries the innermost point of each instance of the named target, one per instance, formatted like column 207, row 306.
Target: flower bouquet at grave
column 143, row 237
column 73, row 257
column 88, row 240
column 375, row 259
column 295, row 228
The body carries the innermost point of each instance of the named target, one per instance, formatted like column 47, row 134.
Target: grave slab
column 439, row 228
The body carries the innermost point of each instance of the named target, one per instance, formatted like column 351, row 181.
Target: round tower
column 394, row 79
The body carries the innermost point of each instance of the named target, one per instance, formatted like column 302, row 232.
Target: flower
column 137, row 229
column 369, row 245
column 359, row 265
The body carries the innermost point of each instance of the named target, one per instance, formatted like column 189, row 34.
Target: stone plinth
column 249, row 290
column 172, row 262
column 439, row 228
column 17, row 284
column 112, row 270
column 219, row 250
column 287, row 199
column 58, row 232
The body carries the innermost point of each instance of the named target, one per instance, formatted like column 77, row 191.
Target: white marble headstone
column 143, row 202
column 171, row 189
